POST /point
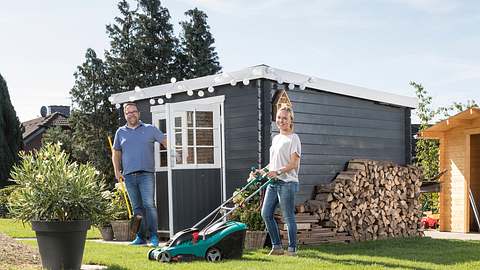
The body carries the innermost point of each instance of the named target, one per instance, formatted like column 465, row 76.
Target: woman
column 284, row 164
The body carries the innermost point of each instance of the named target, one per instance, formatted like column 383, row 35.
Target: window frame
column 170, row 111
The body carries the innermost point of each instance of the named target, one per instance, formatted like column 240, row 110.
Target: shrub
column 248, row 212
column 4, row 194
column 51, row 188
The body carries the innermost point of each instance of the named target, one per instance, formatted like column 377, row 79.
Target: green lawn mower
column 218, row 240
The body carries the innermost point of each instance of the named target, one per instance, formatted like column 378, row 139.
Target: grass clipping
column 15, row 253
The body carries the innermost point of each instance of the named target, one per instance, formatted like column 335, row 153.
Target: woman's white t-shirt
column 283, row 146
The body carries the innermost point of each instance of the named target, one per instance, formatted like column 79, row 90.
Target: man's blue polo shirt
column 137, row 146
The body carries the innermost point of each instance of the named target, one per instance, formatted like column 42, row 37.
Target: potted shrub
column 104, row 222
column 61, row 199
column 122, row 230
column 250, row 214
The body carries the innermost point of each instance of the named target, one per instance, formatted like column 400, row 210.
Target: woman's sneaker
column 276, row 251
column 291, row 252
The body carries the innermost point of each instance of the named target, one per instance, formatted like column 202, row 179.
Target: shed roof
column 462, row 119
column 266, row 72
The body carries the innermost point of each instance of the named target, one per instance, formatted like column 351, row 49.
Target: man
column 133, row 160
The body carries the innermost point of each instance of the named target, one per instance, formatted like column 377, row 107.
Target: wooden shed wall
column 334, row 129
column 453, row 200
column 241, row 133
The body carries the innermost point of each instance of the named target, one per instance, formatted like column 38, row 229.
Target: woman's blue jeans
column 282, row 193
column 140, row 189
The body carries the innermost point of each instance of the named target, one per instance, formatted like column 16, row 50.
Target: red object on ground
column 429, row 222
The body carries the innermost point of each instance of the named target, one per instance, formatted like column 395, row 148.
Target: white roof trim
column 266, row 72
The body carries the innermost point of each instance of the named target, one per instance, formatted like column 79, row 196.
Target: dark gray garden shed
column 219, row 126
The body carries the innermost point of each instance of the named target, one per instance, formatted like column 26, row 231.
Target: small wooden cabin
column 459, row 138
column 219, row 126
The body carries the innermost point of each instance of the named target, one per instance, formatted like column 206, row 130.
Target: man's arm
column 164, row 141
column 116, row 160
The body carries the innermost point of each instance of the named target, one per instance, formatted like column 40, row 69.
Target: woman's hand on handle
column 254, row 174
column 272, row 174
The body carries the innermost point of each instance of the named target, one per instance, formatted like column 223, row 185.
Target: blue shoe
column 154, row 241
column 138, row 241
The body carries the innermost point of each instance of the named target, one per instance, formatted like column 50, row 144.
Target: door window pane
column 178, row 155
column 191, row 155
column 205, row 137
column 189, row 119
column 162, row 126
column 205, row 155
column 178, row 121
column 190, row 137
column 204, row 119
column 163, row 159
column 178, row 139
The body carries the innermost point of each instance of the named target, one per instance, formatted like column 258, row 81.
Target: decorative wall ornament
column 281, row 100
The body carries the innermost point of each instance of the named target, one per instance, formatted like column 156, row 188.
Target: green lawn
column 412, row 253
column 16, row 229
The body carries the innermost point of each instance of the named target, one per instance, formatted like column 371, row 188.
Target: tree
column 143, row 52
column 10, row 134
column 57, row 134
column 427, row 150
column 456, row 107
column 197, row 54
column 156, row 43
column 143, row 46
column 93, row 118
column 123, row 58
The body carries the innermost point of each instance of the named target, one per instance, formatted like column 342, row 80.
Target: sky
column 378, row 44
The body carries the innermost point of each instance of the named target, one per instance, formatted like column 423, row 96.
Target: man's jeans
column 140, row 187
column 282, row 193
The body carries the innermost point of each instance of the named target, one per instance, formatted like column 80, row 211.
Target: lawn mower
column 219, row 239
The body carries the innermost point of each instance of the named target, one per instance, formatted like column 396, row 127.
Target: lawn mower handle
column 257, row 179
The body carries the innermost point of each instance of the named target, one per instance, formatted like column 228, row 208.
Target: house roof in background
column 54, row 119
column 266, row 72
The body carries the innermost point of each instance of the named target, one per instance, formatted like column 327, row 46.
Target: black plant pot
column 61, row 243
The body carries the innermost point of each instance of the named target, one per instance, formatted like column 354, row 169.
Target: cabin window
column 194, row 137
column 162, row 125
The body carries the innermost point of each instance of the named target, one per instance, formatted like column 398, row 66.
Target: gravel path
column 15, row 253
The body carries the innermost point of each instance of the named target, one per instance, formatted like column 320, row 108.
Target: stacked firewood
column 309, row 230
column 320, row 204
column 371, row 200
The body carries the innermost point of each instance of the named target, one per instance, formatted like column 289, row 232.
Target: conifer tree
column 143, row 52
column 10, row 134
column 123, row 58
column 156, row 43
column 93, row 119
column 199, row 55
